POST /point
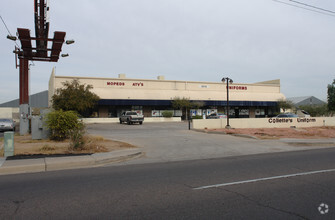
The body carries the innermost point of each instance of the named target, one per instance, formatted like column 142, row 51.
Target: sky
column 192, row 40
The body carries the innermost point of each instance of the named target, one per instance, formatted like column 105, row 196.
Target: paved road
column 167, row 190
column 165, row 142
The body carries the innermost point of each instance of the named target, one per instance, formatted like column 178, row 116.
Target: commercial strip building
column 152, row 97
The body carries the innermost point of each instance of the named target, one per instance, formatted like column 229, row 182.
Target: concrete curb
column 220, row 132
column 64, row 163
column 309, row 142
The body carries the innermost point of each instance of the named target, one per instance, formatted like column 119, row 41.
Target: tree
column 75, row 97
column 182, row 104
column 284, row 104
column 315, row 110
column 331, row 96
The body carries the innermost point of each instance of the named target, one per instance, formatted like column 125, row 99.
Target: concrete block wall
column 263, row 122
column 12, row 113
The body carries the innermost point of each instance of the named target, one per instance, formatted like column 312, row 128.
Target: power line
column 312, row 6
column 33, row 64
column 5, row 25
column 7, row 29
column 303, row 8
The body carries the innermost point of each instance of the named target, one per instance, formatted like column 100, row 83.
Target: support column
column 24, row 96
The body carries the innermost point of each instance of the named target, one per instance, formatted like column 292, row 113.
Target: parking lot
column 164, row 142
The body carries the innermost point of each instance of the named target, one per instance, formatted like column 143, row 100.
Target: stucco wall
column 9, row 113
column 144, row 89
column 264, row 122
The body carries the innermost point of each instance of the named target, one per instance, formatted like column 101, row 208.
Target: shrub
column 77, row 137
column 62, row 124
column 167, row 114
column 197, row 117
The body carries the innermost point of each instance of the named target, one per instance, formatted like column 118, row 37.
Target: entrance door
column 237, row 113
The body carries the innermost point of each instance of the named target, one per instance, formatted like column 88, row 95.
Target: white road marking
column 263, row 179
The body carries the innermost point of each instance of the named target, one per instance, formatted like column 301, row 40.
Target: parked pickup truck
column 131, row 117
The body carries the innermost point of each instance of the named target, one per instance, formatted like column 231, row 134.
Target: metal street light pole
column 228, row 80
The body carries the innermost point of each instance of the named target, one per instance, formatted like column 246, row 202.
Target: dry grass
column 276, row 133
column 24, row 145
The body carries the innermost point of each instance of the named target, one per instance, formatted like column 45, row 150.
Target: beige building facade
column 152, row 97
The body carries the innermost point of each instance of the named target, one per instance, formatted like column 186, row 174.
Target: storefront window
column 158, row 113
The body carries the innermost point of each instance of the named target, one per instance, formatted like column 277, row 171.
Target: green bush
column 197, row 117
column 63, row 124
column 167, row 114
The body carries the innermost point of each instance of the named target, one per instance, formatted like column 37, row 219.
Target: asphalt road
column 169, row 190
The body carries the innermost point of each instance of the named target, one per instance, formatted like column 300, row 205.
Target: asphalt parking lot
column 163, row 142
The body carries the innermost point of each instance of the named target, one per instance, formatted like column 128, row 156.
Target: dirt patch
column 277, row 133
column 24, row 145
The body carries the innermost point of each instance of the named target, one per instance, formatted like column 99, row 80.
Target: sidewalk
column 62, row 163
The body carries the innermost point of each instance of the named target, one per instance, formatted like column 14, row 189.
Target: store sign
column 123, row 84
column 115, row 84
column 138, row 84
column 290, row 120
column 238, row 87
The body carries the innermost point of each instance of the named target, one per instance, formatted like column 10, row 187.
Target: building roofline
column 265, row 83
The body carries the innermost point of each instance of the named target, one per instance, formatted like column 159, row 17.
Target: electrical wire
column 7, row 29
column 32, row 62
column 303, row 8
column 312, row 6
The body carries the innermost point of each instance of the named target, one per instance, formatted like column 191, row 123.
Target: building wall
column 143, row 89
column 147, row 96
column 12, row 113
column 52, row 88
column 264, row 122
column 38, row 100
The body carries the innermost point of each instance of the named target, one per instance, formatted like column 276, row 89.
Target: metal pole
column 227, row 107
column 227, row 126
column 24, row 96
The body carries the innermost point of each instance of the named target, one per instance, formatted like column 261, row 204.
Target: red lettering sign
column 238, row 87
column 138, row 84
column 115, row 83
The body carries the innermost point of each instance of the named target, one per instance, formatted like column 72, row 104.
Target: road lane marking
column 264, row 179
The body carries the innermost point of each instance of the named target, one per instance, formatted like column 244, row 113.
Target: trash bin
column 9, row 144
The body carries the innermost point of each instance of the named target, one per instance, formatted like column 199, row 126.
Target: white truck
column 131, row 117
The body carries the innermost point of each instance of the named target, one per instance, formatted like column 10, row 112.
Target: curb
column 317, row 144
column 65, row 163
column 224, row 133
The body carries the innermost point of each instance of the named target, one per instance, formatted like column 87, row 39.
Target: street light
column 10, row 37
column 228, row 80
column 69, row 41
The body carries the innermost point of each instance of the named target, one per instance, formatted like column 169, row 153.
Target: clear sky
column 194, row 40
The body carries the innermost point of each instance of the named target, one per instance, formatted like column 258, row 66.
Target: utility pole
column 39, row 53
